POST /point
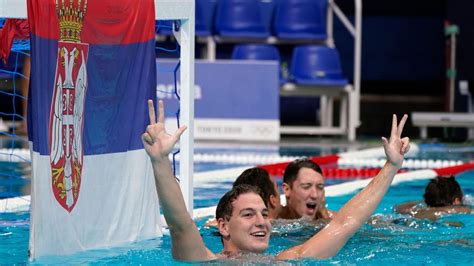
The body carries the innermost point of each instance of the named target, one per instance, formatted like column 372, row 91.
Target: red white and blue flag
column 92, row 70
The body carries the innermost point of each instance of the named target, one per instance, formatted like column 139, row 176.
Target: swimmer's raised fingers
column 151, row 112
column 393, row 132
column 147, row 138
column 401, row 125
column 161, row 112
column 179, row 132
column 405, row 145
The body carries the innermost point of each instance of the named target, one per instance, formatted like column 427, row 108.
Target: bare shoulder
column 434, row 213
column 462, row 209
column 406, row 208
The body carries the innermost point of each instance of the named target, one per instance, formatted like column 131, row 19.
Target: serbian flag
column 92, row 71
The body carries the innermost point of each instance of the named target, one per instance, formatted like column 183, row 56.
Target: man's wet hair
column 442, row 191
column 224, row 207
column 259, row 178
column 291, row 171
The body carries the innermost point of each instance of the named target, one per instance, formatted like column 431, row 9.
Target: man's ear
column 457, row 201
column 273, row 202
column 223, row 227
column 286, row 189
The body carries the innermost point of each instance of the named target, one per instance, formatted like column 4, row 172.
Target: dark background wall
column 403, row 59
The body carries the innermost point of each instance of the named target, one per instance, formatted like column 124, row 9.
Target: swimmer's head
column 267, row 185
column 303, row 185
column 443, row 191
column 242, row 220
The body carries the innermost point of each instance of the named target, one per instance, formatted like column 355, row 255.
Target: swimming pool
column 393, row 240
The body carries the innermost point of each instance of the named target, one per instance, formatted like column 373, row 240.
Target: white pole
column 329, row 25
column 452, row 69
column 186, row 38
column 356, row 32
column 355, row 108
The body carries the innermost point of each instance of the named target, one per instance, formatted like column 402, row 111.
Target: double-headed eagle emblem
column 67, row 109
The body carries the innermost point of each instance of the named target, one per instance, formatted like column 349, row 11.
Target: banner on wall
column 234, row 100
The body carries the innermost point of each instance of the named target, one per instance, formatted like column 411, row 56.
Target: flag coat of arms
column 92, row 71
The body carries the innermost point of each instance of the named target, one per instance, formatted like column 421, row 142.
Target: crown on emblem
column 70, row 20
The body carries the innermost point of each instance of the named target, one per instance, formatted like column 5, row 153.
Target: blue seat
column 316, row 65
column 164, row 27
column 258, row 52
column 255, row 52
column 300, row 19
column 240, row 19
column 204, row 17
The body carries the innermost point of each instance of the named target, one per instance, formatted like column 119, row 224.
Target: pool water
column 392, row 239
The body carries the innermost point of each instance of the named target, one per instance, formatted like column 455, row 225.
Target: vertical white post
column 187, row 107
column 354, row 105
column 452, row 69
column 354, row 95
column 184, row 10
column 330, row 25
column 211, row 48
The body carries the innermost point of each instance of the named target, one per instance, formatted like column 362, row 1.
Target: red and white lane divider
column 277, row 169
column 250, row 158
column 352, row 158
column 23, row 203
column 353, row 186
column 407, row 163
column 17, row 204
column 349, row 187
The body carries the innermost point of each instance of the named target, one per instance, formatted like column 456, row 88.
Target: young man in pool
column 247, row 229
column 303, row 185
column 443, row 195
column 266, row 186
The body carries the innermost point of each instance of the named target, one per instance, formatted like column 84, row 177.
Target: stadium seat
column 315, row 71
column 316, row 65
column 300, row 19
column 164, row 27
column 204, row 17
column 240, row 19
column 256, row 52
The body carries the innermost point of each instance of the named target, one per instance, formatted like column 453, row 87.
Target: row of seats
column 314, row 71
column 285, row 19
column 310, row 64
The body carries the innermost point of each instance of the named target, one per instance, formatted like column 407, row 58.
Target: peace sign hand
column 396, row 147
column 157, row 142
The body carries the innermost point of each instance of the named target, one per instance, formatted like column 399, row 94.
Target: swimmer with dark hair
column 443, row 195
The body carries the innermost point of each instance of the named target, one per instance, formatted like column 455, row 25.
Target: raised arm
column 187, row 243
column 355, row 213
